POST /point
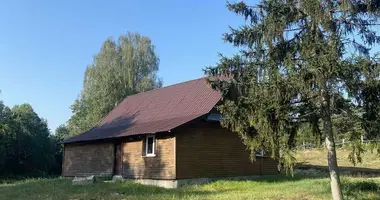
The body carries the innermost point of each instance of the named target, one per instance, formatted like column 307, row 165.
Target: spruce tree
column 294, row 68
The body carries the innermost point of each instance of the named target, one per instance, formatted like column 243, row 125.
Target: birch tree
column 121, row 68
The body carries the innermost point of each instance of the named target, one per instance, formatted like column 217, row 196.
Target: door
column 117, row 163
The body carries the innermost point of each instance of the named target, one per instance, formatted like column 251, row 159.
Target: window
column 214, row 117
column 150, row 145
column 260, row 153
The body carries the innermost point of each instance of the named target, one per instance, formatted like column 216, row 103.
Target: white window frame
column 153, row 147
column 260, row 153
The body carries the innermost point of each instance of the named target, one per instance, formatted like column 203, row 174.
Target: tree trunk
column 333, row 165
column 331, row 155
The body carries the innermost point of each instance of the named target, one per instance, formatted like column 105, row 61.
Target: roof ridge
column 175, row 84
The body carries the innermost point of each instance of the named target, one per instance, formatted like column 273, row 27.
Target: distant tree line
column 26, row 145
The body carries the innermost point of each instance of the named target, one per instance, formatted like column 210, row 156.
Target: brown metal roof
column 154, row 111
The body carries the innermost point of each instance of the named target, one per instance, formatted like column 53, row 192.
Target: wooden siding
column 162, row 166
column 88, row 159
column 206, row 150
column 196, row 150
column 269, row 166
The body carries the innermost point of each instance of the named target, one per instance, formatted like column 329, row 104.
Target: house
column 168, row 137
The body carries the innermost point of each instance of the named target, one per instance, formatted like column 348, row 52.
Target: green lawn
column 319, row 157
column 279, row 187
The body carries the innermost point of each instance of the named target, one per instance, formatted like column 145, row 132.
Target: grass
column 275, row 187
column 319, row 157
column 279, row 187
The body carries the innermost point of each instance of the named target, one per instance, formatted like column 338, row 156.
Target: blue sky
column 45, row 46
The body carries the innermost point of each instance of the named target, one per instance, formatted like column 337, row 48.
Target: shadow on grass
column 7, row 182
column 352, row 187
column 345, row 170
column 133, row 189
column 285, row 178
column 357, row 190
column 14, row 179
column 62, row 188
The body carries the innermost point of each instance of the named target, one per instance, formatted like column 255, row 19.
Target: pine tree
column 293, row 69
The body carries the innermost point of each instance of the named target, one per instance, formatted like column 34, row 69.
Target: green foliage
column 25, row 143
column 61, row 133
column 5, row 136
column 306, row 137
column 293, row 70
column 120, row 69
column 374, row 147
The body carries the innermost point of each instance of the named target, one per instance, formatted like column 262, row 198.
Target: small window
column 150, row 145
column 214, row 117
column 260, row 153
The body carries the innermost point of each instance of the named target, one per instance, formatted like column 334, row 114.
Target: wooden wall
column 136, row 165
column 206, row 150
column 88, row 159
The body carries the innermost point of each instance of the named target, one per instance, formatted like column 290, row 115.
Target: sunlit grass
column 279, row 187
column 319, row 157
column 276, row 187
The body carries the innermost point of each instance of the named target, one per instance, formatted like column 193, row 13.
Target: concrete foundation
column 117, row 178
column 159, row 183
